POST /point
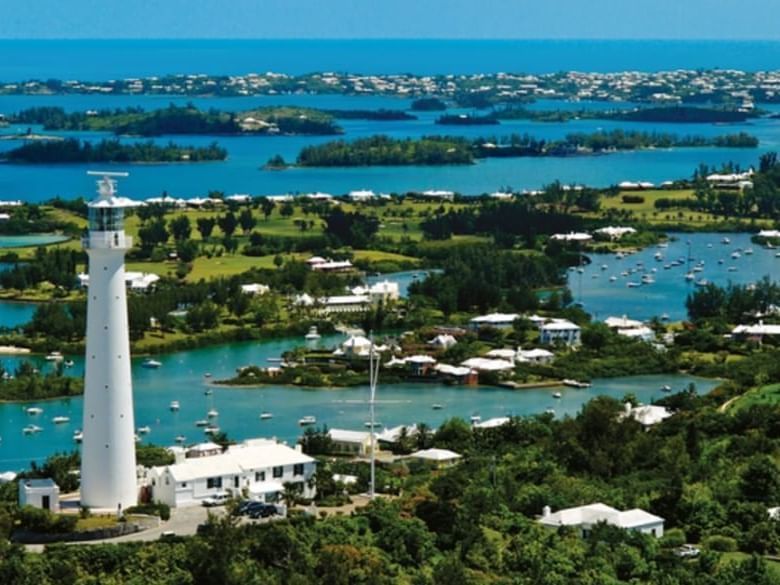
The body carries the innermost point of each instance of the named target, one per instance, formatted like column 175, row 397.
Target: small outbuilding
column 40, row 493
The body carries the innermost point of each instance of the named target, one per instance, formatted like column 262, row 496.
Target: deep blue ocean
column 101, row 59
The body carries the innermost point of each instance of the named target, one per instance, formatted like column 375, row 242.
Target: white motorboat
column 307, row 420
column 207, row 375
column 151, row 364
column 703, row 282
column 78, row 436
column 34, row 410
column 647, row 279
column 748, row 251
column 180, row 438
column 213, row 413
column 633, row 284
column 265, row 415
column 575, row 383
column 437, row 406
column 312, row 335
column 557, row 395
column 690, row 276
column 732, row 268
column 612, row 278
column 666, row 388
column 211, row 430
column 725, row 241
column 174, row 406
column 60, row 420
column 202, row 423
column 54, row 356
column 736, row 255
column 31, row 429
column 604, row 266
column 145, row 430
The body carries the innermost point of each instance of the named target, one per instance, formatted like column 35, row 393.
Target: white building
column 439, row 194
column 572, row 237
column 335, row 304
column 344, row 442
column 322, row 265
column 615, row 233
column 498, row 320
column 255, row 289
column 535, row 356
column 443, row 341
column 758, row 330
column 361, row 195
column 137, row 281
column 439, row 457
column 379, row 292
column 622, row 323
column 108, row 474
column 40, row 493
column 559, row 331
column 487, row 365
column 257, row 467
column 584, row 518
column 646, row 415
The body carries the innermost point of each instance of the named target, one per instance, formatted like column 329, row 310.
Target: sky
column 478, row 19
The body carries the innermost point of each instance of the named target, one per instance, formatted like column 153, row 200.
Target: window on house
column 235, row 481
column 278, row 471
column 214, row 482
column 298, row 469
column 259, row 475
column 184, row 484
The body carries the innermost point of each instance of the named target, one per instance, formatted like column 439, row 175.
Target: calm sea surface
column 241, row 172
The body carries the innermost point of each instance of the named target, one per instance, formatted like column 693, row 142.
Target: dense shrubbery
column 72, row 150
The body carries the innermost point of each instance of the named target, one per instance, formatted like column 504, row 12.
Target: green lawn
column 772, row 565
column 769, row 394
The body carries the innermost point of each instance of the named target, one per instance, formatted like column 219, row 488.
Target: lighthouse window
column 106, row 220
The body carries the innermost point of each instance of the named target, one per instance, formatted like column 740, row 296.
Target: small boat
column 632, row 284
column 307, row 420
column 647, row 279
column 211, row 430
column 702, row 282
column 475, row 418
column 777, row 255
column 736, row 255
column 721, row 261
column 658, row 256
column 78, row 436
column 145, row 430
column 202, row 423
column 54, row 356
column 575, row 383
column 69, row 363
column 620, row 255
column 725, row 241
column 666, row 388
column 667, row 266
column 208, row 392
column 732, row 269
column 690, row 276
column 437, row 406
column 31, row 429
column 33, row 410
column 207, row 375
column 180, row 438
column 624, row 274
column 665, row 317
column 556, row 395
column 748, row 251
column 580, row 270
column 60, row 420
column 174, row 406
column 698, row 268
column 312, row 335
column 604, row 266
column 265, row 415
column 612, row 278
column 151, row 364
column 213, row 413
column 675, row 263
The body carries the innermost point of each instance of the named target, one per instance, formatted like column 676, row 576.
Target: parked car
column 687, row 551
column 219, row 499
column 263, row 511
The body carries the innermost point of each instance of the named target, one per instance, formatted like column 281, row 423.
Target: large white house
column 257, row 467
column 584, row 518
column 559, row 331
column 498, row 320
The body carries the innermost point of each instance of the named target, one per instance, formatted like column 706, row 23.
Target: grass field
column 767, row 395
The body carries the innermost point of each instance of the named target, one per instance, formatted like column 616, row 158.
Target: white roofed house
column 344, row 442
column 443, row 341
column 559, row 331
column 535, row 356
column 498, row 320
column 255, row 289
column 756, row 331
column 357, row 346
column 438, row 457
column 361, row 195
column 259, row 466
column 379, row 292
column 584, row 518
column 646, row 415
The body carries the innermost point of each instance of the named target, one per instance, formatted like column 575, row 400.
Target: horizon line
column 406, row 39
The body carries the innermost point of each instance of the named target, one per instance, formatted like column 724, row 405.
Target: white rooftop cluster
column 134, row 280
column 615, row 233
column 630, row 328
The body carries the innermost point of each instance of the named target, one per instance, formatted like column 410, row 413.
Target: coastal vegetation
column 429, row 104
column 72, row 151
column 380, row 115
column 466, row 120
column 447, row 150
column 25, row 383
column 666, row 114
column 184, row 120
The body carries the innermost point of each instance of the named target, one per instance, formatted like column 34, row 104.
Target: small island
column 451, row 150
column 277, row 120
column 27, row 384
column 73, row 151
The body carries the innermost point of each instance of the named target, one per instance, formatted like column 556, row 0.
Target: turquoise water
column 181, row 378
column 603, row 298
column 13, row 314
column 30, row 240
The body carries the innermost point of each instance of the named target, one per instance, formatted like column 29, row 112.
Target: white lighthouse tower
column 108, row 477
